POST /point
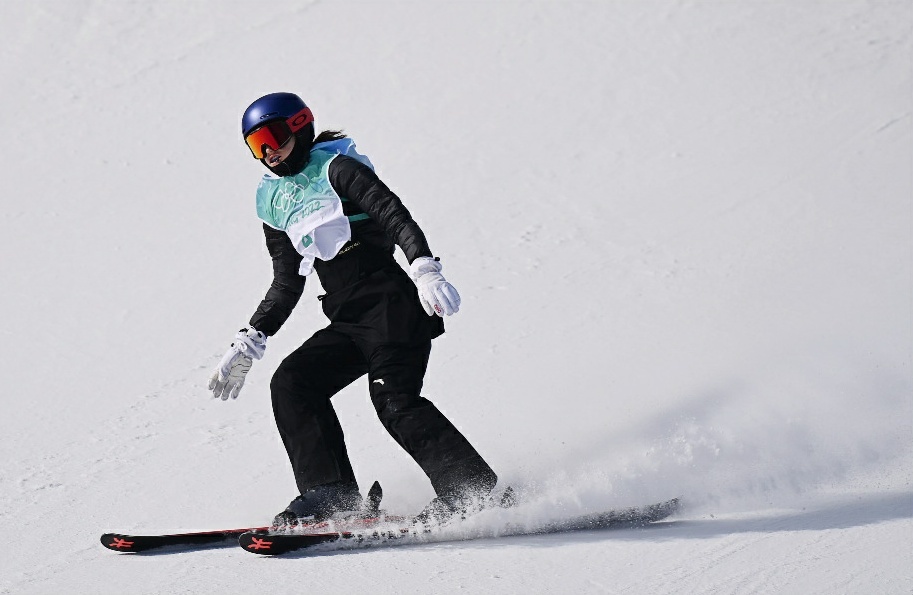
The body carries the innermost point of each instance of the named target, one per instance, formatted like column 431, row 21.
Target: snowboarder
column 324, row 209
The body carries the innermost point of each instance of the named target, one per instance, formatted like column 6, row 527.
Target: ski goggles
column 276, row 133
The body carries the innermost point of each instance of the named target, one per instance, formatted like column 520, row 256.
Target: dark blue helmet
column 271, row 121
column 275, row 106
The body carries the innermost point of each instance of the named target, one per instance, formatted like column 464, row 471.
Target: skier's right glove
column 228, row 377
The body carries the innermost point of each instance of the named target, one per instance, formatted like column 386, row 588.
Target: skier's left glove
column 436, row 294
column 228, row 377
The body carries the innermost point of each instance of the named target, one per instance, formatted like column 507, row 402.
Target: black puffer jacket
column 370, row 249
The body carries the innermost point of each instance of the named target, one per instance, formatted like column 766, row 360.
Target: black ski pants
column 329, row 361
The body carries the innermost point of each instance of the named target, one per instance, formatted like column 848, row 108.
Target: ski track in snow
column 681, row 231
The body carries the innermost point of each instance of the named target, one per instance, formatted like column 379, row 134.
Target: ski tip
column 258, row 542
column 118, row 542
column 266, row 543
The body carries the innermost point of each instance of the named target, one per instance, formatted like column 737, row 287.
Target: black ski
column 613, row 519
column 381, row 530
column 120, row 542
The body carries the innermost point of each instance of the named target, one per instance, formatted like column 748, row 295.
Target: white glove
column 228, row 377
column 436, row 294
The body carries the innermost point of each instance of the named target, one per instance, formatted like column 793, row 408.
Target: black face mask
column 297, row 159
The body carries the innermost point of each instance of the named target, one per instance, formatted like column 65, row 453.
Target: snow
column 682, row 235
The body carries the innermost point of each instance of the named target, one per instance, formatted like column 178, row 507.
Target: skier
column 324, row 209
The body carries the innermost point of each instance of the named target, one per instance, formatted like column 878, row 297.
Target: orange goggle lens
column 276, row 134
column 272, row 135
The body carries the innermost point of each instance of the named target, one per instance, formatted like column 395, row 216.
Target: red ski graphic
column 120, row 543
column 257, row 544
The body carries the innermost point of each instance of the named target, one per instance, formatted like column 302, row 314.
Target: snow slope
column 682, row 234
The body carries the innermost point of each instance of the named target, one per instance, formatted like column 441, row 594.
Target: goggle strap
column 300, row 120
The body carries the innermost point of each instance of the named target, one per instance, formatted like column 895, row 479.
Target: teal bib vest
column 307, row 208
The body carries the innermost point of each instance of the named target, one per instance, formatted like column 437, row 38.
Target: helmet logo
column 300, row 120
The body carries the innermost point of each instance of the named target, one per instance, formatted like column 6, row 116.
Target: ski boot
column 319, row 503
column 459, row 505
